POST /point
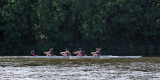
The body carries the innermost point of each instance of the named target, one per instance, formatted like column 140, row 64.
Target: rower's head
column 67, row 49
column 51, row 49
column 98, row 49
column 32, row 51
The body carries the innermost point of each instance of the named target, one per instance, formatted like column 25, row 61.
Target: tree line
column 118, row 27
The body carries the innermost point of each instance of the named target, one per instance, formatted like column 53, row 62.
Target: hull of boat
column 70, row 57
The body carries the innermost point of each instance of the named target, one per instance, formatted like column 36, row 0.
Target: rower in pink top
column 66, row 52
column 33, row 54
column 50, row 52
column 97, row 53
column 80, row 52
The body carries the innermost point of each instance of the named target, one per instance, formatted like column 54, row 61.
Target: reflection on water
column 106, row 71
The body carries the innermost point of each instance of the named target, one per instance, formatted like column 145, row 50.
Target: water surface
column 80, row 69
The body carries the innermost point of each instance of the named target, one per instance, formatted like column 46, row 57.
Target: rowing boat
column 71, row 57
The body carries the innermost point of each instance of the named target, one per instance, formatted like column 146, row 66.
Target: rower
column 80, row 52
column 52, row 53
column 49, row 53
column 32, row 52
column 66, row 52
column 97, row 53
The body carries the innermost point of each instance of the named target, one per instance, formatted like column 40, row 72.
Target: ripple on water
column 117, row 71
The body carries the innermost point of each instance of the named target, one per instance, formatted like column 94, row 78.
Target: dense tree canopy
column 119, row 27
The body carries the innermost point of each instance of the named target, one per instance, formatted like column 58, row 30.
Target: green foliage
column 119, row 27
column 20, row 18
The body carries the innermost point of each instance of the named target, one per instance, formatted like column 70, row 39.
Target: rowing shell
column 70, row 57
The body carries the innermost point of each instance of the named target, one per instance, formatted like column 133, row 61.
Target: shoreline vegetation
column 118, row 27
